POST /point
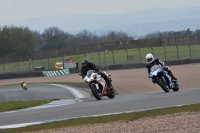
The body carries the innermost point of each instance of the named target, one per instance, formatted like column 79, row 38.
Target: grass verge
column 105, row 119
column 14, row 105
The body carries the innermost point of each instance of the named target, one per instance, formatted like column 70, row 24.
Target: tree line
column 22, row 41
column 164, row 34
column 15, row 41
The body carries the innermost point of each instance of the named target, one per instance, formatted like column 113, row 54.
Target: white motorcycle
column 98, row 85
column 163, row 79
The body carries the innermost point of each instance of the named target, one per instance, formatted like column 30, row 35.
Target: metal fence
column 131, row 56
column 107, row 58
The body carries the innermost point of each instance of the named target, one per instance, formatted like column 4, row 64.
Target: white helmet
column 149, row 58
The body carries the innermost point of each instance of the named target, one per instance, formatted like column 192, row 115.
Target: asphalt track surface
column 34, row 92
column 90, row 106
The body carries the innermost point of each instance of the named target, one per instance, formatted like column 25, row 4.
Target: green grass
column 14, row 105
column 106, row 58
column 105, row 119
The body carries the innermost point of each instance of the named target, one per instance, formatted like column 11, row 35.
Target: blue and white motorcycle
column 163, row 79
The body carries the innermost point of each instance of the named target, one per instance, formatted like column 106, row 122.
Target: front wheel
column 162, row 85
column 96, row 93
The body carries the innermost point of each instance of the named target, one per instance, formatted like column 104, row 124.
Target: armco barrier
column 56, row 72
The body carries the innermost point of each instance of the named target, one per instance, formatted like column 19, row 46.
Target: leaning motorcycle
column 24, row 86
column 98, row 85
column 163, row 79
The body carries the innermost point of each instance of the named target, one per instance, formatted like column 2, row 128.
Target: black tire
column 110, row 79
column 25, row 88
column 176, row 87
column 95, row 93
column 112, row 94
column 162, row 85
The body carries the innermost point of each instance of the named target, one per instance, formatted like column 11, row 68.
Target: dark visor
column 149, row 60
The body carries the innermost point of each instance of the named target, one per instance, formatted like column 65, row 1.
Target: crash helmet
column 85, row 61
column 149, row 58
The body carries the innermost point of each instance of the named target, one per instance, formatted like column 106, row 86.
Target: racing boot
column 110, row 90
column 173, row 78
column 110, row 87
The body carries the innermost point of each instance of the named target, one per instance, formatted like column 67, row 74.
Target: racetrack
column 125, row 81
column 34, row 92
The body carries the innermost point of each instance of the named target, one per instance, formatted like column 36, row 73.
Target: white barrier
column 56, row 72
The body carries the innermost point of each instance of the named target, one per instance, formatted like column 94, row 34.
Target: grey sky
column 22, row 9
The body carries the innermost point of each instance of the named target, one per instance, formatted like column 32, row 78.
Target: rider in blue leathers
column 151, row 61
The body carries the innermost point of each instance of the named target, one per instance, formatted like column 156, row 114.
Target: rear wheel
column 24, row 86
column 96, row 93
column 112, row 93
column 176, row 88
column 162, row 85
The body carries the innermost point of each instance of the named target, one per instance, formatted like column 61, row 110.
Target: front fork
column 167, row 80
column 97, row 86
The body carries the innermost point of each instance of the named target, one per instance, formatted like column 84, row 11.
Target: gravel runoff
column 175, row 123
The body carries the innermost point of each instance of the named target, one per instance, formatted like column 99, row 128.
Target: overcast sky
column 22, row 9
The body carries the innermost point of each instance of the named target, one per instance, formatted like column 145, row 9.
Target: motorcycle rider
column 87, row 65
column 151, row 61
column 22, row 83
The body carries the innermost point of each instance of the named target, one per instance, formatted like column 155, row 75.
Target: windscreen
column 89, row 73
column 155, row 67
